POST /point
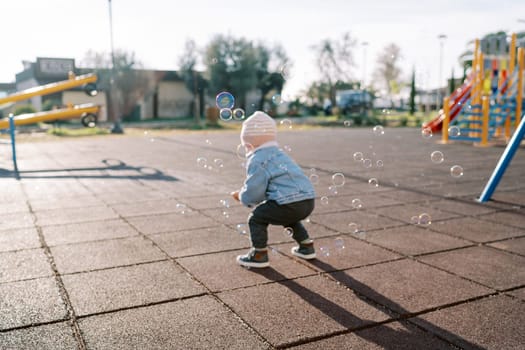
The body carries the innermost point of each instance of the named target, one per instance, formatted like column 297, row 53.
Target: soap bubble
column 339, row 243
column 324, row 200
column 181, row 208
column 225, row 114
column 287, row 148
column 378, row 130
column 238, row 114
column 314, row 179
column 347, row 123
column 353, row 227
column 218, row 163
column 324, row 252
column 338, row 179
column 242, row 229
column 226, row 214
column 456, row 171
column 277, row 99
column 373, row 182
column 286, row 123
column 367, row 163
column 379, row 163
column 332, row 190
column 288, row 231
column 286, row 71
column 358, row 156
column 454, row 131
column 224, row 100
column 356, row 203
column 414, row 220
column 243, row 150
column 202, row 162
column 424, row 219
column 426, row 133
column 437, row 157
column 225, row 203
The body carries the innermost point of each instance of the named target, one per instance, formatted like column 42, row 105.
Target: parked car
column 353, row 101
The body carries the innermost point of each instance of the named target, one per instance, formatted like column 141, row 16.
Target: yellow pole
column 485, row 122
column 446, row 121
column 512, row 63
column 519, row 91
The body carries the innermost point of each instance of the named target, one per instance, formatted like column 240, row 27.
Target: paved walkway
column 128, row 242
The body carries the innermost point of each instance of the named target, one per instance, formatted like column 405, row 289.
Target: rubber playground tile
column 24, row 264
column 490, row 323
column 74, row 215
column 28, row 302
column 15, row 239
column 516, row 198
column 414, row 240
column 475, row 229
column 200, row 241
column 152, row 224
column 511, row 218
column 87, row 231
column 103, row 254
column 61, row 202
column 228, row 216
column 111, row 195
column 395, row 335
column 407, row 286
column 329, row 203
column 515, row 245
column 11, row 221
column 293, row 310
column 55, row 336
column 409, row 196
column 518, row 293
column 314, row 231
column 491, row 267
column 106, row 290
column 342, row 252
column 152, row 207
column 210, row 202
column 366, row 221
column 196, row 323
column 372, row 200
column 408, row 211
column 15, row 206
column 460, row 207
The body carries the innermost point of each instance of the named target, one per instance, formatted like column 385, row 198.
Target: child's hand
column 235, row 195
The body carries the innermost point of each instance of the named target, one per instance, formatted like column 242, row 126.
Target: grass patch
column 77, row 132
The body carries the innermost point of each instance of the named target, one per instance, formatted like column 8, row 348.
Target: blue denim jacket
column 272, row 175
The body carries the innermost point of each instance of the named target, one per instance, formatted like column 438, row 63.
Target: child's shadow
column 382, row 335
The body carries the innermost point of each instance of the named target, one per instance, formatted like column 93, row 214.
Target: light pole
column 364, row 44
column 113, row 95
column 441, row 38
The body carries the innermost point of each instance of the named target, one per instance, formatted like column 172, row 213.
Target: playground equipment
column 490, row 101
column 88, row 112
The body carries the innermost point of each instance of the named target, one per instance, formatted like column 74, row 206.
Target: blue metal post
column 13, row 141
column 503, row 162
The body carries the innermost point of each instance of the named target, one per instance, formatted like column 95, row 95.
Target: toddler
column 277, row 189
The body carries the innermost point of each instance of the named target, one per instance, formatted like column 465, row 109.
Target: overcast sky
column 157, row 29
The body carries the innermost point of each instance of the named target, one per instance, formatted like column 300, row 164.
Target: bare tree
column 193, row 79
column 334, row 59
column 388, row 70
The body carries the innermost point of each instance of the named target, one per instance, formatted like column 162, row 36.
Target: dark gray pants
column 286, row 215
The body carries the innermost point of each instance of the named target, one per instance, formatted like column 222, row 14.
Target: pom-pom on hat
column 259, row 128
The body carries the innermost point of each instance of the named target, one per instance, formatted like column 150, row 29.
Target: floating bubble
column 424, row 219
column 333, row 190
column 339, row 243
column 277, row 99
column 338, row 179
column 244, row 150
column 347, row 123
column 202, row 162
column 225, row 203
column 386, row 111
column 287, row 148
column 214, row 60
column 224, row 100
column 286, row 71
column 314, row 179
column 238, row 114
column 288, row 231
column 208, row 142
column 324, row 200
column 181, row 208
column 312, row 171
column 225, row 114
column 353, row 227
column 426, row 133
column 456, row 171
column 356, row 203
column 373, row 182
column 324, row 252
column 378, row 130
column 414, row 220
column 379, row 163
column 358, row 156
column 226, row 214
column 242, row 229
column 286, row 123
column 283, row 167
column 218, row 163
column 454, row 131
column 437, row 157
column 367, row 163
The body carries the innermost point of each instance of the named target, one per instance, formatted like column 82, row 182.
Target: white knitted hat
column 259, row 128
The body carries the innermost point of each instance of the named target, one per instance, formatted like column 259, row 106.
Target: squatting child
column 277, row 189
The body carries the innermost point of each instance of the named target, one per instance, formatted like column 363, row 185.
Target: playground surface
column 125, row 242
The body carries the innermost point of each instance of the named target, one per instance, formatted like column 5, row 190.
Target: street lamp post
column 117, row 128
column 365, row 44
column 441, row 38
